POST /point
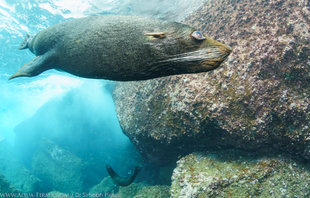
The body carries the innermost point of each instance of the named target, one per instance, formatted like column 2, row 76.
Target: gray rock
column 258, row 99
column 129, row 191
column 6, row 187
column 158, row 191
column 58, row 168
column 232, row 173
column 16, row 173
column 140, row 190
column 105, row 187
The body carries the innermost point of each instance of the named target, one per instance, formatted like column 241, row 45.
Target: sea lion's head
column 188, row 50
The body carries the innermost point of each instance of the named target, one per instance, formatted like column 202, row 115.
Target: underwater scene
column 155, row 99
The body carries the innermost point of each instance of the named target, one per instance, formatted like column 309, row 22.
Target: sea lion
column 122, row 48
column 122, row 181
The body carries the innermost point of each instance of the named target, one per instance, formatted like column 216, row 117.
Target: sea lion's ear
column 198, row 35
column 159, row 35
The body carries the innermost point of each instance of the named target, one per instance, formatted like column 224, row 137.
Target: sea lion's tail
column 24, row 44
column 122, row 181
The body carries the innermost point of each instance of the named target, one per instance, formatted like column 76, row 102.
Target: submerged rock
column 6, row 187
column 158, row 191
column 16, row 173
column 105, row 187
column 259, row 99
column 232, row 173
column 141, row 190
column 58, row 168
column 129, row 191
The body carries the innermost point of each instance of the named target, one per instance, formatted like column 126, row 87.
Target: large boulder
column 259, row 98
column 233, row 173
column 129, row 191
column 16, row 173
column 6, row 187
column 105, row 187
column 59, row 169
column 158, row 191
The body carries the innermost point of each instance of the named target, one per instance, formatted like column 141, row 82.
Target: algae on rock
column 233, row 173
column 16, row 173
column 58, row 168
column 129, row 191
column 141, row 190
column 6, row 187
column 158, row 191
column 106, row 186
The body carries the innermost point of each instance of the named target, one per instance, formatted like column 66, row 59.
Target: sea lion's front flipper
column 38, row 65
column 122, row 181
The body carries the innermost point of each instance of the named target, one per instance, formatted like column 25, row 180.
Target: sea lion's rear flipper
column 38, row 65
column 24, row 44
column 122, row 181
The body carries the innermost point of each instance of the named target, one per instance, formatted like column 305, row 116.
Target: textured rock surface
column 58, row 168
column 259, row 98
column 141, row 190
column 106, row 186
column 158, row 191
column 129, row 191
column 16, row 173
column 6, row 187
column 231, row 173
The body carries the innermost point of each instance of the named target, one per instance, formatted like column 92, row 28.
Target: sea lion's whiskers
column 200, row 55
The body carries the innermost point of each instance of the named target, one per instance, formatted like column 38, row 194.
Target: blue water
column 74, row 116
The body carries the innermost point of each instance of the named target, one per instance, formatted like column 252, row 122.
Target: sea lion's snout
column 226, row 50
column 207, row 55
column 214, row 53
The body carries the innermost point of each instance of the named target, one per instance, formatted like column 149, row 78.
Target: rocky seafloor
column 235, row 173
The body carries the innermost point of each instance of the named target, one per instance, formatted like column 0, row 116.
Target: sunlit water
column 31, row 108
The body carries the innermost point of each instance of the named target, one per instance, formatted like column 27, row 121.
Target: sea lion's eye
column 198, row 35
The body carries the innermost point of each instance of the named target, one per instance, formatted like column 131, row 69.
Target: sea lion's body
column 122, row 181
column 121, row 48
